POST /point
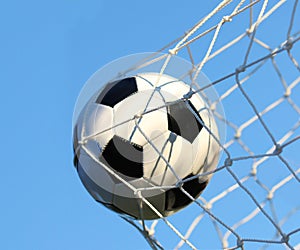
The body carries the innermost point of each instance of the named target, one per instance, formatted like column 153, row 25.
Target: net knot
column 287, row 93
column 227, row 19
column 228, row 162
column 208, row 206
column 239, row 243
column 138, row 116
column 173, row 51
column 150, row 232
column 253, row 172
column 285, row 238
column 188, row 95
column 179, row 184
column 270, row 195
column 138, row 193
column 238, row 134
column 240, row 69
column 158, row 88
column 82, row 142
column 278, row 149
column 250, row 30
column 289, row 44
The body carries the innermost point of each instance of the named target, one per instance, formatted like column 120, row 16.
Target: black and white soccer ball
column 141, row 140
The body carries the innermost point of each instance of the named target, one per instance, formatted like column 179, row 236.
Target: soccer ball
column 144, row 147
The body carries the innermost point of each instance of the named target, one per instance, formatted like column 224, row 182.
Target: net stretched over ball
column 144, row 143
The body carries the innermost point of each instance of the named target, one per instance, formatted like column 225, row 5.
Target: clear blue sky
column 48, row 49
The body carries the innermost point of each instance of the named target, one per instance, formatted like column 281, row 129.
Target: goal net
column 250, row 50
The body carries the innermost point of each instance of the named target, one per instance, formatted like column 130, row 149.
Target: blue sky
column 48, row 51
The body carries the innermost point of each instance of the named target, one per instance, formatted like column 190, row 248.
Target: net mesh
column 252, row 199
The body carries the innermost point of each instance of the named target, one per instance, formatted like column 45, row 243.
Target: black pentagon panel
column 117, row 91
column 124, row 157
column 176, row 199
column 132, row 206
column 182, row 121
